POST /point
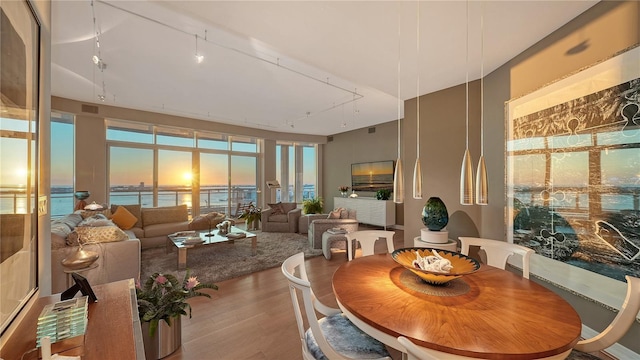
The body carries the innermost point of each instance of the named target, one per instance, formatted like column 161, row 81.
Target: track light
column 199, row 57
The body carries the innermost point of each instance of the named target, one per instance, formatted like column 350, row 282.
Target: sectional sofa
column 117, row 238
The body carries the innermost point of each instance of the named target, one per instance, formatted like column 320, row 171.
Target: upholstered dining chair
column 332, row 336
column 498, row 252
column 618, row 327
column 367, row 240
column 415, row 352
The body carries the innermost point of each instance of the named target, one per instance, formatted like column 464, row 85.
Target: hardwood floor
column 251, row 317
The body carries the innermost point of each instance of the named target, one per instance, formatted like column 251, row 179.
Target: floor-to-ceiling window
column 62, row 164
column 163, row 166
column 296, row 170
column 175, row 178
column 131, row 175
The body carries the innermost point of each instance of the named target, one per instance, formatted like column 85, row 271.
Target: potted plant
column 252, row 215
column 161, row 303
column 383, row 194
column 343, row 190
column 313, row 206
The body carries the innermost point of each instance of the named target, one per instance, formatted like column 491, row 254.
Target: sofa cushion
column 124, row 218
column 277, row 209
column 281, row 218
column 165, row 214
column 165, row 228
column 336, row 213
column 286, row 207
column 137, row 232
column 134, row 209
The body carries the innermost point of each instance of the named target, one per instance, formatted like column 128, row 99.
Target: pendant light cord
column 399, row 99
column 482, row 80
column 418, row 84
column 467, row 80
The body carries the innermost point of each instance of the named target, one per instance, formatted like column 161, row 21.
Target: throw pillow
column 88, row 213
column 124, row 218
column 90, row 234
column 335, row 214
column 277, row 209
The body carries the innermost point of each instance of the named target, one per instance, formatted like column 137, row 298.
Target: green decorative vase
column 434, row 214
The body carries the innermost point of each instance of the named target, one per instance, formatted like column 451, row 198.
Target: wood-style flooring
column 251, row 317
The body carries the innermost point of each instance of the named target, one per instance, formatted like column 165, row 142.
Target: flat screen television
column 372, row 176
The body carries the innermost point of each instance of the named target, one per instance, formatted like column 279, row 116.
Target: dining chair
column 332, row 336
column 498, row 252
column 367, row 240
column 415, row 352
column 618, row 327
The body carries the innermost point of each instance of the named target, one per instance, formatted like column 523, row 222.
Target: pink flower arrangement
column 162, row 297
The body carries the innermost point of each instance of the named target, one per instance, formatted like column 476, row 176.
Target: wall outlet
column 42, row 205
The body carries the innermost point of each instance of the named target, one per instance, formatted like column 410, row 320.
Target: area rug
column 219, row 262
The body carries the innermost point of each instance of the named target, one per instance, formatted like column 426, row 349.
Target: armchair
column 281, row 217
column 319, row 226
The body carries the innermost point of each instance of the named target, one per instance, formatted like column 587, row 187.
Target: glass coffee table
column 185, row 240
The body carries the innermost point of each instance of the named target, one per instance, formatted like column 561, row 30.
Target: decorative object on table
column 252, row 215
column 343, row 190
column 435, row 217
column 80, row 259
column 82, row 285
column 63, row 320
column 223, row 227
column 81, row 195
column 461, row 264
column 353, row 194
column 161, row 302
column 94, row 206
column 383, row 194
column 313, row 205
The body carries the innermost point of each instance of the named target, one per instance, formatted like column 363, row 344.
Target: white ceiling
column 287, row 66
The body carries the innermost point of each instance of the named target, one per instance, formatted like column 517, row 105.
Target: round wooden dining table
column 490, row 314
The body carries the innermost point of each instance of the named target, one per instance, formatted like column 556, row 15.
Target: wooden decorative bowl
column 462, row 264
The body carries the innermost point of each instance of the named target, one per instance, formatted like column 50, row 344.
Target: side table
column 328, row 239
column 450, row 245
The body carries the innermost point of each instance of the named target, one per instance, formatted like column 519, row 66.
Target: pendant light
column 417, row 171
column 466, row 172
column 398, row 177
column 482, row 186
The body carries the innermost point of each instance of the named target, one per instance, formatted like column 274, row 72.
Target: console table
column 370, row 210
column 113, row 330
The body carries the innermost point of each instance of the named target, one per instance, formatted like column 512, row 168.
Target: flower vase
column 165, row 341
column 343, row 193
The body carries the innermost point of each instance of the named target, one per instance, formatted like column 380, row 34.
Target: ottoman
column 328, row 239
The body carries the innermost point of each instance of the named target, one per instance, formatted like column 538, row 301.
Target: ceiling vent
column 330, row 138
column 372, row 130
column 92, row 109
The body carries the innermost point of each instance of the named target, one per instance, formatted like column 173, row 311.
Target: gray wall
column 353, row 147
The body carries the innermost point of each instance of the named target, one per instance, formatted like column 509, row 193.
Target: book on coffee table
column 236, row 235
